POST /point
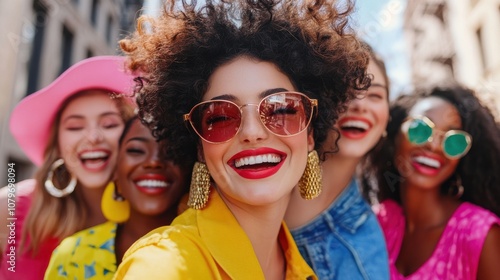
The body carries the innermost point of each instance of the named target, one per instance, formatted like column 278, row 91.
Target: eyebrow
column 83, row 117
column 379, row 85
column 137, row 138
column 263, row 94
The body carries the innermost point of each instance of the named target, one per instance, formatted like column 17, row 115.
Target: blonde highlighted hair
column 53, row 217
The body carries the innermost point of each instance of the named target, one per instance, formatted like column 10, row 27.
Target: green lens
column 419, row 132
column 455, row 145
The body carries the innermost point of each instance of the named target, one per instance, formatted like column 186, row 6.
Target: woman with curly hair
column 439, row 184
column 252, row 88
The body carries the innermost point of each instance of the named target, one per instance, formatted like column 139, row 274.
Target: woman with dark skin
column 439, row 180
column 151, row 184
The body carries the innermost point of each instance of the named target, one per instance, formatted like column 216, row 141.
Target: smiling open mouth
column 260, row 161
column 94, row 159
column 427, row 162
column 152, row 184
column 354, row 126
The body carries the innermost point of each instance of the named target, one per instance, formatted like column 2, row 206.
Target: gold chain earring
column 200, row 186
column 114, row 206
column 49, row 185
column 310, row 182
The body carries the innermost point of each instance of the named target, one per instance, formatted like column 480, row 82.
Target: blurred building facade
column 40, row 39
column 459, row 40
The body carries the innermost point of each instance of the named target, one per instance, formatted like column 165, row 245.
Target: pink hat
column 31, row 120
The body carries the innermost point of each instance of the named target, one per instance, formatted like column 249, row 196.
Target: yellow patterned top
column 87, row 254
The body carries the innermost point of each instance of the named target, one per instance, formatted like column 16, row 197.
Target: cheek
column 301, row 144
column 67, row 145
column 402, row 156
column 381, row 112
column 452, row 166
column 112, row 138
column 122, row 176
column 213, row 153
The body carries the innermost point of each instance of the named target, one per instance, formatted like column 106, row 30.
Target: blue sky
column 379, row 23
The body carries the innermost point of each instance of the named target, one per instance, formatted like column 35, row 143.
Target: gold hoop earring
column 114, row 207
column 200, row 186
column 310, row 182
column 49, row 185
column 458, row 186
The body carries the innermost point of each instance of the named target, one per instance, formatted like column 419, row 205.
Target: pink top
column 457, row 253
column 26, row 266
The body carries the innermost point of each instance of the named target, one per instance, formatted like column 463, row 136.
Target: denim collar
column 349, row 211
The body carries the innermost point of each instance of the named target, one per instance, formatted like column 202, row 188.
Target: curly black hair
column 479, row 169
column 176, row 52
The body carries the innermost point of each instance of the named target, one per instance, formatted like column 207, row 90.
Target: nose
column 358, row 104
column 435, row 143
column 252, row 129
column 95, row 135
column 154, row 161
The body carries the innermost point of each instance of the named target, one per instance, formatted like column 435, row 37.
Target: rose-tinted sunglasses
column 283, row 114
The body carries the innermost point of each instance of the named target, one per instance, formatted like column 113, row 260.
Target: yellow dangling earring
column 310, row 182
column 200, row 186
column 114, row 206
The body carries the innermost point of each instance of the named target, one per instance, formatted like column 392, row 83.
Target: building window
column 93, row 12
column 40, row 13
column 67, row 48
column 109, row 30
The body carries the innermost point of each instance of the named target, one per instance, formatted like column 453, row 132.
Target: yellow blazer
column 205, row 244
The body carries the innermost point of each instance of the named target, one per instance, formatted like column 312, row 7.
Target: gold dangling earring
column 114, row 207
column 49, row 185
column 310, row 182
column 200, row 186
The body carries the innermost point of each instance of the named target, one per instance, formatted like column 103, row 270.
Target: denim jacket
column 345, row 241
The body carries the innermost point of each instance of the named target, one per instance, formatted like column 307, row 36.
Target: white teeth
column 93, row 155
column 152, row 184
column 270, row 158
column 427, row 161
column 356, row 124
column 95, row 164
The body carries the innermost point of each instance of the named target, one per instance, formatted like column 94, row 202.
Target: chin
column 94, row 184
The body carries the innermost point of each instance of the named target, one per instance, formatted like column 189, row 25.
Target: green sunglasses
column 420, row 130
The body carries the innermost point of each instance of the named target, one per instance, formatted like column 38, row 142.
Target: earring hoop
column 458, row 185
column 49, row 185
